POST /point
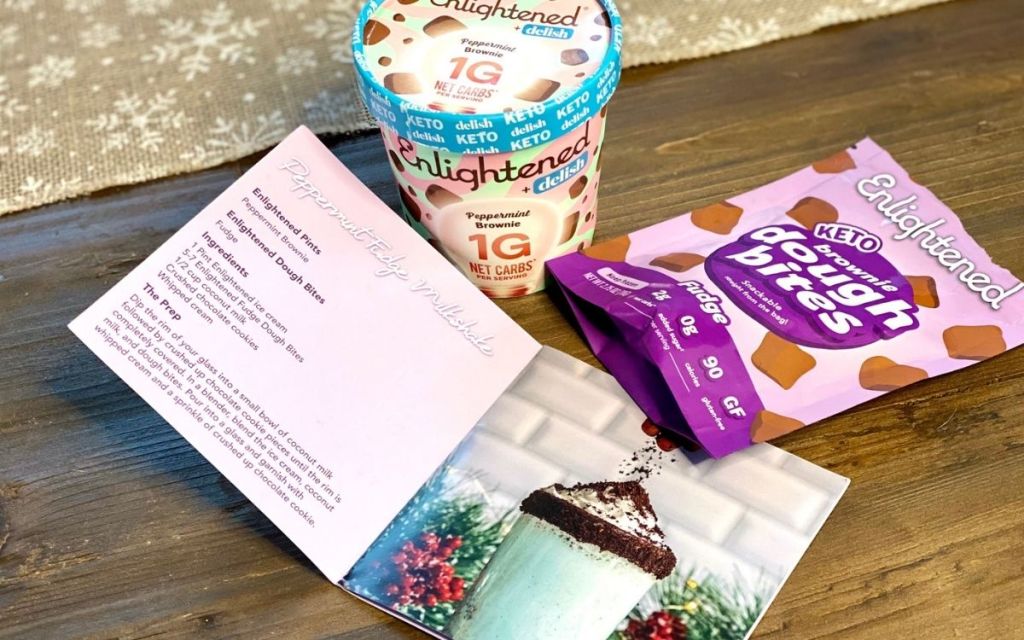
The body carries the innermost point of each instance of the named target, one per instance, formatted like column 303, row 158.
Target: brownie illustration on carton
column 745, row 320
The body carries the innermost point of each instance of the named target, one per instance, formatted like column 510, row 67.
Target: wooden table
column 111, row 525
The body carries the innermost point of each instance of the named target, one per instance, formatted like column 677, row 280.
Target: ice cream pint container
column 493, row 117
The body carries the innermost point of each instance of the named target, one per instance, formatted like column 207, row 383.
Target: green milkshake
column 574, row 564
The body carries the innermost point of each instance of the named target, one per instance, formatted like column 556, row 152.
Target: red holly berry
column 660, row 625
column 421, row 573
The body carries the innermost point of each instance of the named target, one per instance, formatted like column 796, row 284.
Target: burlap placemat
column 97, row 93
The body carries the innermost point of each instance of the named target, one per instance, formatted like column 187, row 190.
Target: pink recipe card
column 311, row 346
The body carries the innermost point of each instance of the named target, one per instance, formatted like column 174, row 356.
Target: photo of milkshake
column 480, row 553
column 573, row 565
column 493, row 116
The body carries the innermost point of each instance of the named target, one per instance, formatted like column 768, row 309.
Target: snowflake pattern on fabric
column 652, row 30
column 735, row 33
column 10, row 106
column 96, row 93
column 295, row 61
column 328, row 107
column 832, row 14
column 18, row 5
column 216, row 37
column 146, row 7
column 99, row 35
column 288, row 5
column 890, row 5
column 82, row 6
column 138, row 122
column 335, row 27
column 236, row 133
column 8, row 36
column 35, row 141
column 51, row 72
column 32, row 190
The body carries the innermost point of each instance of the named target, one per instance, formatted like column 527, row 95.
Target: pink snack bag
column 744, row 320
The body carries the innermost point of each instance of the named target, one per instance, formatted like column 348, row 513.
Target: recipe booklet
column 421, row 448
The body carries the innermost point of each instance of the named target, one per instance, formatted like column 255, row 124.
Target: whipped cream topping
column 615, row 508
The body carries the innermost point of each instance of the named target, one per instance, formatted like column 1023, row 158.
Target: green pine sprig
column 443, row 506
column 711, row 609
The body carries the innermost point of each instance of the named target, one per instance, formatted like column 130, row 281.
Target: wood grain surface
column 112, row 526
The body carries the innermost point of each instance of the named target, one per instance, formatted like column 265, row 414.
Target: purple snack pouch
column 744, row 320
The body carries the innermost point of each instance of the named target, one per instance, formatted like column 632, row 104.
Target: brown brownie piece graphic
column 678, row 262
column 836, row 163
column 782, row 361
column 569, row 227
column 401, row 83
column 576, row 188
column 882, row 374
column 539, row 91
column 810, row 211
column 442, row 25
column 441, row 197
column 613, row 250
column 574, row 57
column 375, row 31
column 974, row 343
column 768, row 426
column 925, row 294
column 395, row 160
column 719, row 218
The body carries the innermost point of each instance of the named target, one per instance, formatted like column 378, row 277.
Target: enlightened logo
column 829, row 288
column 511, row 12
column 478, row 170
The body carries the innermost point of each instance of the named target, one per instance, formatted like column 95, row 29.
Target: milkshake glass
column 493, row 116
column 573, row 566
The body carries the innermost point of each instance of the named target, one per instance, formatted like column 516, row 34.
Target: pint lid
column 486, row 76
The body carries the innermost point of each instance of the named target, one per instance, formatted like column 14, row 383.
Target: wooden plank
column 112, row 526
